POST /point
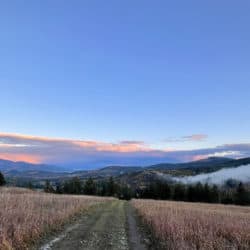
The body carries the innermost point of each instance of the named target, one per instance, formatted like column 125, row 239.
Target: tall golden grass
column 182, row 225
column 25, row 214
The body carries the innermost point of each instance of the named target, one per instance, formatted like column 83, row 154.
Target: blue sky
column 110, row 71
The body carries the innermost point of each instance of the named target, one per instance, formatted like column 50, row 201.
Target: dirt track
column 109, row 226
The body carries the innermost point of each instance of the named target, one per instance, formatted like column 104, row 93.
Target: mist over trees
column 241, row 173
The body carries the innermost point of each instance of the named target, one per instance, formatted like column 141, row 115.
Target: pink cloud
column 50, row 148
column 89, row 153
column 21, row 157
column 195, row 137
column 187, row 138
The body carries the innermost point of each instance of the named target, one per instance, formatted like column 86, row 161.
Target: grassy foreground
column 183, row 225
column 25, row 214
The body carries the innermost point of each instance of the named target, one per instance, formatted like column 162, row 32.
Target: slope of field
column 182, row 225
column 25, row 215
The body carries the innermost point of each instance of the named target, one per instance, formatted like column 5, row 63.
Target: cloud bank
column 241, row 173
column 91, row 154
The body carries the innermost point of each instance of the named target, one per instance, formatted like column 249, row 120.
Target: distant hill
column 19, row 166
column 165, row 172
column 213, row 163
column 133, row 175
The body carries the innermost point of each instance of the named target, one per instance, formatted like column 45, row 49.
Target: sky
column 141, row 81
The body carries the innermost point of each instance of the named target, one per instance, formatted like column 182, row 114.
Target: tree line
column 90, row 187
column 161, row 190
column 198, row 192
column 234, row 193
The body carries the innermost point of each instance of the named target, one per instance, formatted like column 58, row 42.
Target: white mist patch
column 241, row 173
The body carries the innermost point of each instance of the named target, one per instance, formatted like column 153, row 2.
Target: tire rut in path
column 110, row 226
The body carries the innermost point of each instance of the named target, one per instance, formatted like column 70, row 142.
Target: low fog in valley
column 241, row 173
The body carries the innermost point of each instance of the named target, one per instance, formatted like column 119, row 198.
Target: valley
column 20, row 173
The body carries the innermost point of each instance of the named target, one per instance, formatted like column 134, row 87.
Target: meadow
column 26, row 215
column 183, row 225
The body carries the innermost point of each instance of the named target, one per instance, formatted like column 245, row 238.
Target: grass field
column 182, row 225
column 25, row 214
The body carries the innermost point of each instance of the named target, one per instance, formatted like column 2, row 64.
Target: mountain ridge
column 31, row 171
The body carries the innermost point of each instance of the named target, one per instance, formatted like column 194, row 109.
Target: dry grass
column 25, row 215
column 182, row 225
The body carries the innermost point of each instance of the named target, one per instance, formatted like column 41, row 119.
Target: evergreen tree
column 206, row 193
column 30, row 185
column 59, row 188
column 179, row 192
column 214, row 195
column 2, row 180
column 89, row 187
column 199, row 192
column 102, row 188
column 77, row 185
column 125, row 193
column 66, row 187
column 111, row 187
column 48, row 187
column 73, row 186
column 162, row 190
column 227, row 197
column 191, row 194
column 242, row 196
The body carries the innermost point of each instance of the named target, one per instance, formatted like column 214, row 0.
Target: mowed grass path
column 104, row 227
column 109, row 226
